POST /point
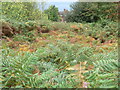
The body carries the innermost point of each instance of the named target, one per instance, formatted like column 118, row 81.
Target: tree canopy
column 92, row 12
column 52, row 13
column 21, row 11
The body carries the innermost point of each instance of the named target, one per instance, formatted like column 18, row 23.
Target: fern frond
column 107, row 65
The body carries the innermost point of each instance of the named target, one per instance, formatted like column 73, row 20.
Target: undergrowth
column 46, row 67
column 37, row 57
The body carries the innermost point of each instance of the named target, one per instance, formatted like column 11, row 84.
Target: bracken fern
column 105, row 73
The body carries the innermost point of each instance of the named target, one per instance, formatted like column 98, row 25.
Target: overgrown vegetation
column 92, row 11
column 45, row 54
column 21, row 11
column 52, row 13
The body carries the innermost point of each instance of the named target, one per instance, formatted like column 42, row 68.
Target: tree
column 82, row 12
column 21, row 11
column 52, row 13
column 91, row 12
column 108, row 10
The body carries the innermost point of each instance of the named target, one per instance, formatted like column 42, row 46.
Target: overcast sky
column 60, row 0
column 61, row 5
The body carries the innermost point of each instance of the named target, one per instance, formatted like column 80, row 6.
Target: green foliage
column 82, row 12
column 51, row 60
column 52, row 12
column 103, row 30
column 65, row 55
column 21, row 11
column 18, row 67
column 108, row 10
column 92, row 11
column 18, row 71
column 30, row 36
column 105, row 73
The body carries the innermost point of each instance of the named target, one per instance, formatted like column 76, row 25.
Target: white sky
column 60, row 0
column 39, row 0
column 79, row 0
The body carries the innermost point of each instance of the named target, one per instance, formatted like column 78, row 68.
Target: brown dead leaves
column 36, row 70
